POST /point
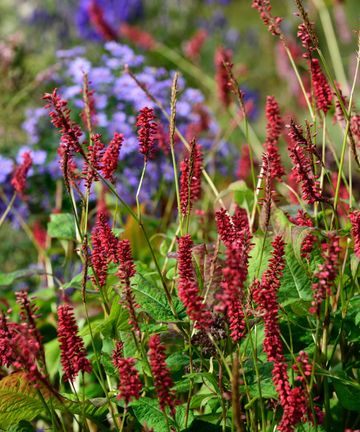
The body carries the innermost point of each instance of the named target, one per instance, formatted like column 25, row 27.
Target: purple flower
column 6, row 167
column 118, row 99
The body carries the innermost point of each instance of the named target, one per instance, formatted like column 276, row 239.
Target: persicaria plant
column 196, row 303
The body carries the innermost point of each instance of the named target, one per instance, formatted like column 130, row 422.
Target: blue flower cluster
column 117, row 100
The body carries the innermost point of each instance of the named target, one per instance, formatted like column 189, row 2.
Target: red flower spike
column 222, row 57
column 110, row 158
column 244, row 165
column 28, row 314
column 188, row 289
column 298, row 152
column 230, row 228
column 137, row 36
column 18, row 180
column 225, row 227
column 7, row 354
column 306, row 39
column 130, row 385
column 355, row 128
column 302, row 367
column 93, row 162
column 269, row 192
column 293, row 401
column 88, row 114
column 105, row 248
column 125, row 272
column 21, row 344
column 326, row 273
column 72, row 349
column 97, row 19
column 190, row 180
column 69, row 130
column 273, row 131
column 309, row 242
column 272, row 23
column 322, row 90
column 235, row 274
column 193, row 47
column 274, row 125
column 27, row 352
column 355, row 230
column 161, row 374
column 147, row 132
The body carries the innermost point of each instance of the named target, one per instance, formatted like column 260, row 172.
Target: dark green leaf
column 259, row 257
column 348, row 393
column 151, row 299
column 147, row 412
column 23, row 426
column 62, row 226
column 295, row 283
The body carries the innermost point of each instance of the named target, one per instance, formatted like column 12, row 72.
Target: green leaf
column 177, row 361
column 147, row 412
column 348, row 393
column 295, row 283
column 243, row 195
column 268, row 391
column 93, row 409
column 152, row 299
column 52, row 355
column 309, row 427
column 22, row 426
column 19, row 400
column 62, row 226
column 7, row 279
column 180, row 417
column 259, row 257
column 116, row 321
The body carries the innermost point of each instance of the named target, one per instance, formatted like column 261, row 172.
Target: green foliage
column 152, row 299
column 295, row 282
column 62, row 226
column 22, row 426
column 147, row 412
column 20, row 401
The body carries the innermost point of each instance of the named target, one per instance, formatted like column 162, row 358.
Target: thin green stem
column 139, row 189
column 331, row 41
column 7, row 210
column 311, row 111
column 172, row 128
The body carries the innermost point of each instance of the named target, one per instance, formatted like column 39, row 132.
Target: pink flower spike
column 322, row 90
column 72, row 349
column 272, row 23
column 190, row 180
column 188, row 288
column 111, row 156
column 147, row 132
column 223, row 56
column 193, row 47
column 93, row 162
column 273, row 131
column 130, row 385
column 355, row 230
column 18, row 180
column 125, row 272
column 161, row 374
column 326, row 273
